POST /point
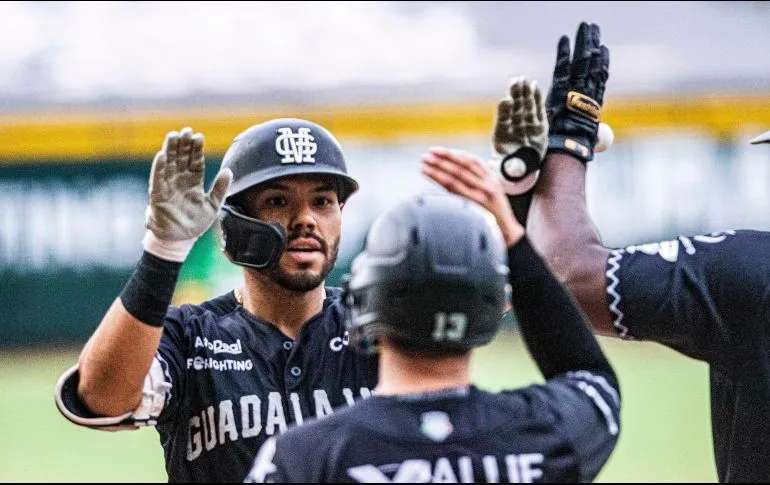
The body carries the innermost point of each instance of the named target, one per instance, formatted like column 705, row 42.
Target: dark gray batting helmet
column 264, row 152
column 432, row 277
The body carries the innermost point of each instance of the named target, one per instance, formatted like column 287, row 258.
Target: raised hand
column 574, row 103
column 179, row 209
column 464, row 174
column 521, row 133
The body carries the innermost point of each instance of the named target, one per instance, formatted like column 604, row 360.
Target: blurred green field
column 665, row 430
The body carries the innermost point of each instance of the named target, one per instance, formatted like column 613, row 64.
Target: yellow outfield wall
column 92, row 136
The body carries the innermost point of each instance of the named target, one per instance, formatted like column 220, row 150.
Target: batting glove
column 179, row 211
column 575, row 101
column 521, row 132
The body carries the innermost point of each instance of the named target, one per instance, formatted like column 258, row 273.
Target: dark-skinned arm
column 559, row 224
column 561, row 228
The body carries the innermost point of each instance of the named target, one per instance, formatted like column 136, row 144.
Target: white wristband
column 176, row 251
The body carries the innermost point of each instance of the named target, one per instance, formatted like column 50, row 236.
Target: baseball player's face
column 308, row 208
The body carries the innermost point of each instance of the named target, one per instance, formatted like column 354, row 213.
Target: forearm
column 114, row 362
column 561, row 221
column 116, row 359
column 553, row 327
column 561, row 228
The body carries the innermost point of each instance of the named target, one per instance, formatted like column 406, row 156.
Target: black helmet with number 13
column 432, row 277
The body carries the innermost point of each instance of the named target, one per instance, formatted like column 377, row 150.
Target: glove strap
column 575, row 147
column 528, row 155
column 175, row 251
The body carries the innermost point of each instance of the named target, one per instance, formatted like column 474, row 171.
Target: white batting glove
column 179, row 211
column 521, row 122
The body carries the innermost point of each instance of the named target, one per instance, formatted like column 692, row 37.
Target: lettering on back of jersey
column 513, row 468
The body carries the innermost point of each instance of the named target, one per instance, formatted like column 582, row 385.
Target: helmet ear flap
column 362, row 337
column 250, row 242
column 363, row 340
column 357, row 333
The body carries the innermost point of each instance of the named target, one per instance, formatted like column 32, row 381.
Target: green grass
column 665, row 429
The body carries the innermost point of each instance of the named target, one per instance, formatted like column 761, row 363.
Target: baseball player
column 704, row 296
column 219, row 378
column 429, row 288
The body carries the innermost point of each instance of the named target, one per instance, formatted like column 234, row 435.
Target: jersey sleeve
column 160, row 392
column 587, row 410
column 171, row 358
column 702, row 295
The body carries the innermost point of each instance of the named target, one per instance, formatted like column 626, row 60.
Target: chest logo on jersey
column 338, row 343
column 219, row 347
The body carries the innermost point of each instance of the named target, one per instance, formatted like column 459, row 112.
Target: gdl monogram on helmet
column 268, row 151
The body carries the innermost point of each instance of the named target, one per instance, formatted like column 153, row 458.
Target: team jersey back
column 236, row 381
column 561, row 431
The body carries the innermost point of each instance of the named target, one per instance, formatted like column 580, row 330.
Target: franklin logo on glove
column 580, row 103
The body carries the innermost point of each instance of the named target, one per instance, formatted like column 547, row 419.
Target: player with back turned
column 704, row 296
column 429, row 288
column 219, row 378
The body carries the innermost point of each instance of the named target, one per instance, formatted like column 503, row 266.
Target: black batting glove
column 574, row 104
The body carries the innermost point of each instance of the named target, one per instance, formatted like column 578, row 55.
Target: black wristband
column 577, row 147
column 148, row 292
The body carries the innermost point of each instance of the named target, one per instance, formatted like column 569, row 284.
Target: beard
column 306, row 280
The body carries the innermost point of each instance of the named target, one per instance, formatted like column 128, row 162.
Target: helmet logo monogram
column 296, row 147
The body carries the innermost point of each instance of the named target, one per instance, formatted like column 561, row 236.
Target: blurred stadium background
column 89, row 90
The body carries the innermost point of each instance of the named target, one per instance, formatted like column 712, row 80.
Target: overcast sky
column 85, row 52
